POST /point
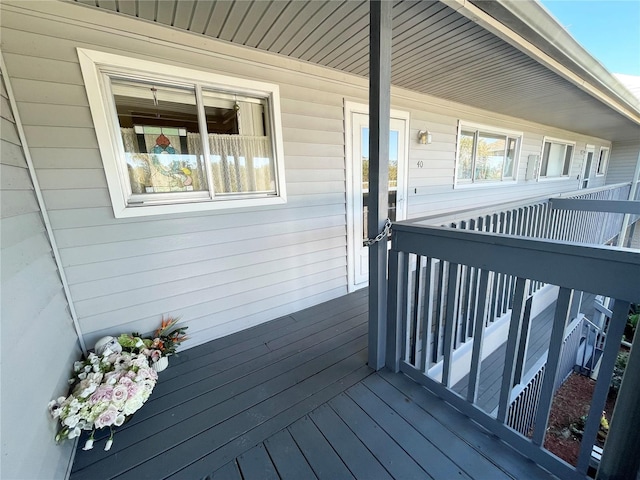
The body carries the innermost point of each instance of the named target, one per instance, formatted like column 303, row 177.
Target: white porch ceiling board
column 436, row 51
column 314, row 20
column 234, row 20
column 217, row 18
column 246, row 30
column 146, row 9
column 201, row 13
column 183, row 14
column 337, row 34
column 282, row 25
column 165, row 12
column 128, row 7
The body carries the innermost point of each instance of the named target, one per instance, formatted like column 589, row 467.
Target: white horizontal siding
column 622, row 162
column 37, row 330
column 226, row 270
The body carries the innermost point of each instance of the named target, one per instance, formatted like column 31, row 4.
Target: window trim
column 96, row 68
column 518, row 135
column 546, row 139
column 601, row 169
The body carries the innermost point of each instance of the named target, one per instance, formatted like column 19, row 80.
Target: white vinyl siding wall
column 622, row 162
column 221, row 271
column 39, row 344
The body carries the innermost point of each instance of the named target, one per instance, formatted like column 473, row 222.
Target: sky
column 608, row 29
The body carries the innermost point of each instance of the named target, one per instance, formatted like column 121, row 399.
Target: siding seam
column 41, row 203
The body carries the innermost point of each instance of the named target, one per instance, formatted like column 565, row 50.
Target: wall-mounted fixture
column 424, row 137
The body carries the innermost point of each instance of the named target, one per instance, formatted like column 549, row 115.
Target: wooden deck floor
column 294, row 399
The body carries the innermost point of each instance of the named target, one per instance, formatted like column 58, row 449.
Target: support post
column 379, row 123
column 620, row 458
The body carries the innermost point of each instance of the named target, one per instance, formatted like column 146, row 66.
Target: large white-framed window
column 556, row 158
column 603, row 161
column 175, row 139
column 486, row 154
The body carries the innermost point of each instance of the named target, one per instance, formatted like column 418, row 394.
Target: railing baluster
column 525, row 330
column 427, row 315
column 560, row 318
column 478, row 338
column 450, row 322
column 395, row 307
column 414, row 309
column 612, row 345
column 440, row 292
column 522, row 286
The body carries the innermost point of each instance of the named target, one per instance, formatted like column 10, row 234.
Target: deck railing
column 526, row 395
column 415, row 314
column 535, row 218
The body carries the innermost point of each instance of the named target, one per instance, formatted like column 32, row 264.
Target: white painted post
column 632, row 196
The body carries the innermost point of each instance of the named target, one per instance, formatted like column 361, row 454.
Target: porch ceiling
column 436, row 51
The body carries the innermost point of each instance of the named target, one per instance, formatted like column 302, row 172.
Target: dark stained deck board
column 256, row 465
column 470, row 433
column 320, row 455
column 433, row 460
column 228, row 472
column 305, row 407
column 287, row 457
column 348, row 446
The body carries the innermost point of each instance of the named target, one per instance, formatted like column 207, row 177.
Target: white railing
column 603, row 270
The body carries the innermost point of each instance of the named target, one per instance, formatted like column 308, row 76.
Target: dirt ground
column 572, row 400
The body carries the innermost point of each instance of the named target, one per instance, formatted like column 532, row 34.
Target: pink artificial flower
column 106, row 418
column 102, row 394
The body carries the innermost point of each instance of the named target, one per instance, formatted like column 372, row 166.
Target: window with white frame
column 556, row 158
column 603, row 160
column 486, row 154
column 184, row 140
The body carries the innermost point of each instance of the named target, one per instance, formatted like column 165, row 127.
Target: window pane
column 555, row 160
column 465, row 165
column 545, row 159
column 567, row 160
column 602, row 161
column 159, row 125
column 241, row 149
column 510, row 159
column 489, row 156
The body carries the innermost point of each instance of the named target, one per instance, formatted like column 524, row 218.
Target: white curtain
column 241, row 163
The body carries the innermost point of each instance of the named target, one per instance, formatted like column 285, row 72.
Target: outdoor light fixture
column 424, row 137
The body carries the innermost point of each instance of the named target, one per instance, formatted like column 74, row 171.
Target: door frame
column 361, row 108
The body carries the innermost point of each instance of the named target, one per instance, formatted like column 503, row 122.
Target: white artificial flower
column 120, row 420
column 88, row 390
column 89, row 444
column 107, row 446
column 71, row 421
column 74, row 432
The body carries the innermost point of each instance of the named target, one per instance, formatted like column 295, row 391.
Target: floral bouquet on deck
column 163, row 343
column 106, row 389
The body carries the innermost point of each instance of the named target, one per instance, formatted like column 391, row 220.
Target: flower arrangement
column 164, row 342
column 106, row 389
column 115, row 381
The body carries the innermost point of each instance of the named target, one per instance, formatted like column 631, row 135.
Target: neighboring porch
column 294, row 398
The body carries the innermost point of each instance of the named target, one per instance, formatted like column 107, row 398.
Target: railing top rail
column 610, row 271
column 465, row 214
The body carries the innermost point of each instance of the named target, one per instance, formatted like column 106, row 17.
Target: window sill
column 129, row 211
column 483, row 185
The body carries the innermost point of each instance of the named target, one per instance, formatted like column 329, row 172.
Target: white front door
column 359, row 191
